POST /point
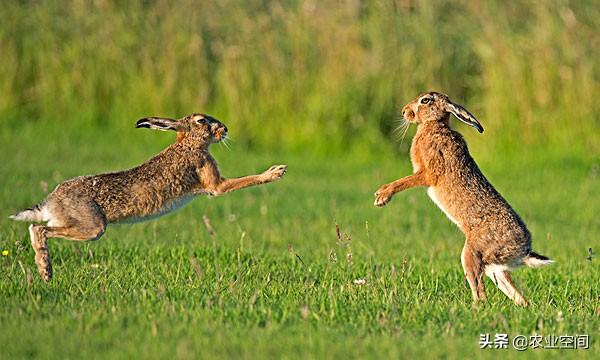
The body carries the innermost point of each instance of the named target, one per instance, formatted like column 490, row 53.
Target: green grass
column 274, row 281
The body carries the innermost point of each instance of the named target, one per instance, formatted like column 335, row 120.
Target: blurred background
column 310, row 76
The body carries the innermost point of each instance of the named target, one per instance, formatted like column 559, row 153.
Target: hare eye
column 425, row 101
column 201, row 121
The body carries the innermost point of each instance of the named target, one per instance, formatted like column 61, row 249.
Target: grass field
column 273, row 280
column 317, row 85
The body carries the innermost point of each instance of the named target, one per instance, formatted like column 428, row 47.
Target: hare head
column 436, row 107
column 198, row 127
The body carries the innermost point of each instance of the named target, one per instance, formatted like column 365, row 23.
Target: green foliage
column 322, row 75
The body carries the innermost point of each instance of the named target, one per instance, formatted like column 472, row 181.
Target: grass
column 274, row 280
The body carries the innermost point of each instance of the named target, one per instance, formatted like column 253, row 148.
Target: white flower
column 360, row 281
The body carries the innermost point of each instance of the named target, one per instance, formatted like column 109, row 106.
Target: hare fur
column 497, row 239
column 81, row 208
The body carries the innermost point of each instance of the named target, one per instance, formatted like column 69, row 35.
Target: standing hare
column 80, row 208
column 497, row 240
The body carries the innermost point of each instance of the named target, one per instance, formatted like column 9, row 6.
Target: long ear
column 463, row 115
column 162, row 124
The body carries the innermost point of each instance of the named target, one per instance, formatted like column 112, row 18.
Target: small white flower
column 360, row 281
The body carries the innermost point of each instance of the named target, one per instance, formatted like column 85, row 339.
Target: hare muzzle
column 219, row 131
column 408, row 114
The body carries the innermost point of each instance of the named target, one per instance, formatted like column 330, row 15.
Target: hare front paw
column 383, row 196
column 275, row 172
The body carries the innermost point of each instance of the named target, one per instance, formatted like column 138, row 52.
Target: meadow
column 317, row 86
column 273, row 279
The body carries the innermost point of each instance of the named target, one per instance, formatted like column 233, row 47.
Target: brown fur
column 81, row 208
column 496, row 238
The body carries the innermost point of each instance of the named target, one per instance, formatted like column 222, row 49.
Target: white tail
column 534, row 260
column 32, row 214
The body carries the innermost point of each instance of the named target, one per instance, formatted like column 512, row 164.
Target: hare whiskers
column 402, row 128
column 405, row 130
column 226, row 142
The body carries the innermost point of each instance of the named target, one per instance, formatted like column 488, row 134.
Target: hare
column 497, row 240
column 81, row 208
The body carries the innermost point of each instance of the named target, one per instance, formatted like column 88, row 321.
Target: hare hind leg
column 89, row 224
column 39, row 241
column 500, row 275
column 473, row 268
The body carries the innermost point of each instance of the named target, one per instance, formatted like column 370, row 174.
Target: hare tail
column 34, row 213
column 536, row 260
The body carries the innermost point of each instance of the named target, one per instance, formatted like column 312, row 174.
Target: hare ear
column 162, row 124
column 463, row 115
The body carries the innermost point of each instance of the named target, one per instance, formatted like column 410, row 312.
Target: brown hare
column 80, row 208
column 497, row 240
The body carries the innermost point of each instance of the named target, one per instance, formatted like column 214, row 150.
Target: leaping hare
column 80, row 208
column 497, row 240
